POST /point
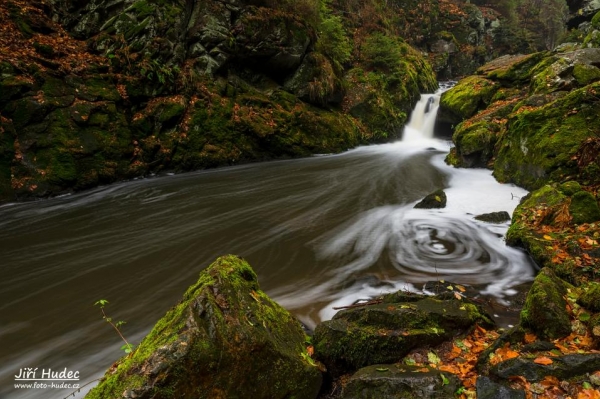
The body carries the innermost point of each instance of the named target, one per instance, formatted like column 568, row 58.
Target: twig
column 83, row 386
column 356, row 305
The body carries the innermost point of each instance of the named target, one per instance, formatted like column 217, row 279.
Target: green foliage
column 382, row 52
column 127, row 348
column 333, row 41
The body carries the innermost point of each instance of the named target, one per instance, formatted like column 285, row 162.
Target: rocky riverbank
column 92, row 93
column 226, row 339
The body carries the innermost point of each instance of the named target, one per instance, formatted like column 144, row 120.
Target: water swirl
column 425, row 244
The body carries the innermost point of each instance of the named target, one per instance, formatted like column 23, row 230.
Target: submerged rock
column 392, row 381
column 225, row 339
column 385, row 332
column 494, row 217
column 436, row 199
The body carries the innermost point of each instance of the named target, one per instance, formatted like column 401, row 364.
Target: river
column 320, row 232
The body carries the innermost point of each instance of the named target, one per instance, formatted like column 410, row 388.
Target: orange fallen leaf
column 550, row 381
column 588, row 394
column 530, row 337
column 543, row 360
column 311, row 350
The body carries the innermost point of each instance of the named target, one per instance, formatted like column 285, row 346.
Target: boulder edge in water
column 225, row 339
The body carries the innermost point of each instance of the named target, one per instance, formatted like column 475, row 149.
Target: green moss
column 467, row 97
column 519, row 70
column 545, row 311
column 219, row 340
column 585, row 74
column 547, row 75
column 590, row 296
column 569, row 188
column 540, row 142
column 475, row 143
column 386, row 332
column 596, row 21
column 584, row 208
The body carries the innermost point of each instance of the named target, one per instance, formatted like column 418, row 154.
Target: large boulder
column 385, row 332
column 545, row 311
column 225, row 339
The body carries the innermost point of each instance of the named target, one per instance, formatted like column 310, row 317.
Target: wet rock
column 385, row 332
column 584, row 208
column 466, row 98
column 562, row 367
column 494, row 217
column 570, row 188
column 590, row 296
column 393, row 381
column 566, row 71
column 226, row 338
column 434, row 200
column 545, row 307
column 487, row 389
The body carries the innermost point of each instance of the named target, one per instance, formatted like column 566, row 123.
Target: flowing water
column 320, row 232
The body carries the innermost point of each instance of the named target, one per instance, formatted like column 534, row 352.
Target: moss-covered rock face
column 226, row 339
column 590, row 296
column 584, row 208
column 466, row 98
column 475, row 143
column 386, row 332
column 545, row 310
column 541, row 141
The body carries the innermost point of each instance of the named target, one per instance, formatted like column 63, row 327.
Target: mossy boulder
column 475, row 143
column 590, row 296
column 545, row 309
column 225, row 339
column 566, row 70
column 540, row 142
column 385, row 332
column 512, row 70
column 466, row 98
column 569, row 188
column 395, row 381
column 584, row 207
column 437, row 199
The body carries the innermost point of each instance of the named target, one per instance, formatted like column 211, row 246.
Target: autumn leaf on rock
column 543, row 360
column 530, row 337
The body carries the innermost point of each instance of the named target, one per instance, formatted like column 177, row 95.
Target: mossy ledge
column 225, row 339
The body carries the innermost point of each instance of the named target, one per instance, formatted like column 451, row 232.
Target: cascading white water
column 422, row 119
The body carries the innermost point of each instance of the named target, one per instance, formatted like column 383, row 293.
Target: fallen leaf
column 530, row 337
column 543, row 360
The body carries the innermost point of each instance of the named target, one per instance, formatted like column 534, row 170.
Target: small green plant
column 127, row 348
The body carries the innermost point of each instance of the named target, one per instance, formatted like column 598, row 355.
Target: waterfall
column 422, row 119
